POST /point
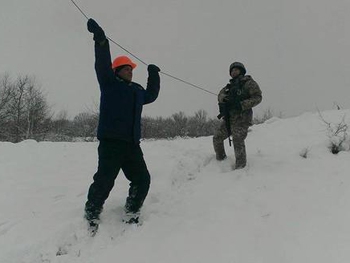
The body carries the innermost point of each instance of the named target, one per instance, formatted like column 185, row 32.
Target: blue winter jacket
column 121, row 102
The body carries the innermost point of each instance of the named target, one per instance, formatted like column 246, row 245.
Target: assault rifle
column 225, row 112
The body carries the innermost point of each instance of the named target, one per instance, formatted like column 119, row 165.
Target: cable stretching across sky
column 137, row 58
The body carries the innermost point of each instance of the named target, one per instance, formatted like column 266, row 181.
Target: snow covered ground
column 281, row 208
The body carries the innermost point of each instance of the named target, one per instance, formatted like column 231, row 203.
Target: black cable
column 186, row 82
column 120, row 46
column 127, row 51
column 81, row 11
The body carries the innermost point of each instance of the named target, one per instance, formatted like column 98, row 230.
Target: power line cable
column 81, row 11
column 137, row 58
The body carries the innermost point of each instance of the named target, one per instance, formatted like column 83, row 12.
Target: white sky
column 298, row 51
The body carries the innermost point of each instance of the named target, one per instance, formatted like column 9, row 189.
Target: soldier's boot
column 220, row 156
column 219, row 149
column 240, row 154
column 92, row 215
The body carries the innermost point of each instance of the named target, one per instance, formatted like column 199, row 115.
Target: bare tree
column 37, row 111
column 85, row 124
column 338, row 135
column 61, row 123
column 61, row 128
column 17, row 108
column 6, row 94
column 6, row 91
column 23, row 107
column 180, row 125
column 197, row 125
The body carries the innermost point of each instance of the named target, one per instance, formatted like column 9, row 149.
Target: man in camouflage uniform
column 236, row 101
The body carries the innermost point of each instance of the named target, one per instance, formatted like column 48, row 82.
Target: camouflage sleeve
column 255, row 95
column 222, row 95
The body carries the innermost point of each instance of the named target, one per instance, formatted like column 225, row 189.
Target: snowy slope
column 281, row 208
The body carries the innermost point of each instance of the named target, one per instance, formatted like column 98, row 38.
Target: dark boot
column 131, row 217
column 240, row 154
column 221, row 157
column 93, row 227
column 239, row 166
column 92, row 215
column 219, row 150
column 132, row 207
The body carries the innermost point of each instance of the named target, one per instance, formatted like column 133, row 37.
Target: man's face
column 235, row 72
column 125, row 73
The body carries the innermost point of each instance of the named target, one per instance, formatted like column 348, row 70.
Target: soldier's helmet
column 238, row 65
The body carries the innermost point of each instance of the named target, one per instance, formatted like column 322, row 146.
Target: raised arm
column 103, row 67
column 153, row 84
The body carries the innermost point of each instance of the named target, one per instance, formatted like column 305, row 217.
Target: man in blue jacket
column 119, row 130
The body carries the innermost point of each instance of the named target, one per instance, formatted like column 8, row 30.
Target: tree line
column 26, row 114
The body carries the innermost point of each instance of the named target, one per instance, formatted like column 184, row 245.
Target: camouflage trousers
column 239, row 133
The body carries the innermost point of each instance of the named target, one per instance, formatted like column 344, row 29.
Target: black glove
column 93, row 27
column 153, row 69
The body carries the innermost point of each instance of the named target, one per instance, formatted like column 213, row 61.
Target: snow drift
column 289, row 205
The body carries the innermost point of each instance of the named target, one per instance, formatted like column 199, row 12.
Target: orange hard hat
column 122, row 61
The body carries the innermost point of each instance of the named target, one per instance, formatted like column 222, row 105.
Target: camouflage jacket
column 249, row 94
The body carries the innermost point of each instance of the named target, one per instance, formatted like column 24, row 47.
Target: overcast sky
column 298, row 51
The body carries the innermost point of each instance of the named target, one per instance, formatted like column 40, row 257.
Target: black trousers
column 113, row 156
